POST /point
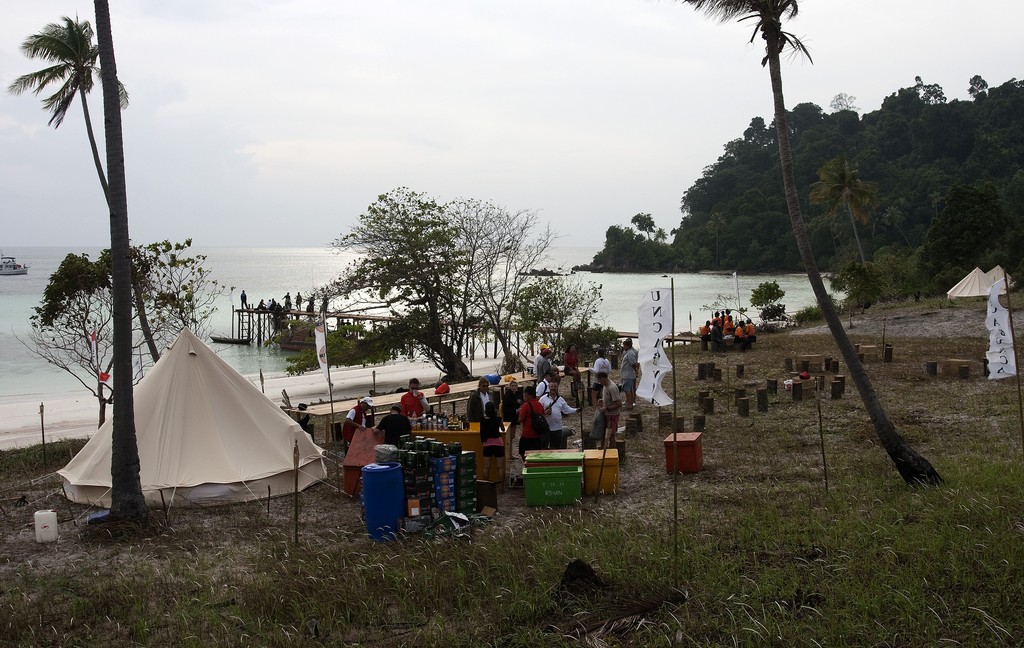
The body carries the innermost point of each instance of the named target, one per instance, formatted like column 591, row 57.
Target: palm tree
column 127, row 500
column 768, row 16
column 69, row 46
column 840, row 184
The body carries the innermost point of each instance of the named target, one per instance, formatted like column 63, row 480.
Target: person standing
column 493, row 446
column 245, row 301
column 542, row 362
column 529, row 439
column 394, row 425
column 572, row 369
column 630, row 372
column 610, row 405
column 355, row 420
column 549, row 377
column 478, row 400
column 555, row 407
column 287, row 301
column 511, row 401
column 413, row 402
column 600, row 364
column 298, row 301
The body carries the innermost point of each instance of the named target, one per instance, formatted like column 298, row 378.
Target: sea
column 270, row 272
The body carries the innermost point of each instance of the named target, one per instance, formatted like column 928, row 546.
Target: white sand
column 76, row 415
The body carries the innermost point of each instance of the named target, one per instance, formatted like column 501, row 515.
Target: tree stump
column 664, row 419
column 835, row 366
column 773, row 385
column 788, row 364
column 709, row 405
column 701, row 395
column 837, row 389
column 841, row 379
column 743, row 406
column 805, row 365
column 718, row 375
column 828, row 363
column 963, row 372
column 620, row 445
column 698, row 422
column 762, row 399
column 798, row 390
column 887, row 353
column 632, row 427
column 738, row 393
column 702, row 371
column 739, row 371
column 638, row 417
column 680, row 425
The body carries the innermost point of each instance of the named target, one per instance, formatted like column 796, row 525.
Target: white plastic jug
column 46, row 526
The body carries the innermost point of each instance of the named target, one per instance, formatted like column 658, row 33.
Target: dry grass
column 764, row 554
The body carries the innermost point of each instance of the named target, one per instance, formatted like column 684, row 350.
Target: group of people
column 518, row 408
column 721, row 328
column 274, row 305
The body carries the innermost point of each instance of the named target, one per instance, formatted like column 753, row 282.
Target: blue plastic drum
column 383, row 499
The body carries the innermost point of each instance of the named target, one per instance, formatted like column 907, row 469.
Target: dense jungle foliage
column 948, row 178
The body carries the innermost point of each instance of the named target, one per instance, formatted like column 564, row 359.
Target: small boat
column 9, row 266
column 229, row 340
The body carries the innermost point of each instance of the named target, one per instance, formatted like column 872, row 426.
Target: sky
column 276, row 123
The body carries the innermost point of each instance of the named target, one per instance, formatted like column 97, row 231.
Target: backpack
column 540, row 423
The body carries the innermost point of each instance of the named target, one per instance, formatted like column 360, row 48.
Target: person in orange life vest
column 727, row 326
column 751, row 333
column 716, row 320
column 413, row 402
column 356, row 419
column 529, row 439
column 740, row 338
column 705, row 332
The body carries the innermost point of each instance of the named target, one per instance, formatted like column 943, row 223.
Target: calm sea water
column 270, row 272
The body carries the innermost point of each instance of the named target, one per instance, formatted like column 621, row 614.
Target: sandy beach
column 76, row 414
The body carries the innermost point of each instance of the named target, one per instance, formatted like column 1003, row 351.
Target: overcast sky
column 258, row 122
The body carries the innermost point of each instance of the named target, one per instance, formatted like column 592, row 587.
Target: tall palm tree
column 69, row 46
column 840, row 184
column 127, row 500
column 768, row 16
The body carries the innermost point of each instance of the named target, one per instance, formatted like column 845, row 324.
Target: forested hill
column 917, row 147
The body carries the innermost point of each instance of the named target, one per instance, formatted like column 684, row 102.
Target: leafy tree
column 644, row 223
column 840, row 185
column 768, row 16
column 178, row 287
column 843, row 101
column 978, row 89
column 767, row 297
column 348, row 345
column 560, row 310
column 127, row 501
column 971, row 221
column 411, row 268
column 861, row 282
column 930, row 93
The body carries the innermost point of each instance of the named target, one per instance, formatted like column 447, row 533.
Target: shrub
column 808, row 315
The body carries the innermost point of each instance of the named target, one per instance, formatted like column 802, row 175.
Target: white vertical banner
column 321, row 347
column 736, row 287
column 654, row 318
column 1002, row 363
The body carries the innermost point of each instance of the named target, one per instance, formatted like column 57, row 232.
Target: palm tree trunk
column 127, row 500
column 914, row 468
column 853, row 224
column 92, row 142
column 140, row 305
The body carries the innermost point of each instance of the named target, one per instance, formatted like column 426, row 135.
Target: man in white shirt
column 555, row 407
column 601, row 364
column 544, row 385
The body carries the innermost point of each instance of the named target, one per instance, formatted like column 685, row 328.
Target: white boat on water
column 9, row 266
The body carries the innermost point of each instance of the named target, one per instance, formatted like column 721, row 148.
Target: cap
column 544, row 347
column 804, row 375
column 367, row 400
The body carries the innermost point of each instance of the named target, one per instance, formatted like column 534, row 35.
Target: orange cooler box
column 592, row 471
column 691, row 456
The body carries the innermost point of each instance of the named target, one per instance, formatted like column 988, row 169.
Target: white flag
column 1002, row 362
column 655, row 322
column 320, row 335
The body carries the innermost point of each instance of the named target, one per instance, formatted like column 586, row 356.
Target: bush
column 808, row 315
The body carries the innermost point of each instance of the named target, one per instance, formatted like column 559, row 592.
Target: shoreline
column 69, row 416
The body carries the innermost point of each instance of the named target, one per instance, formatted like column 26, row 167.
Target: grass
column 766, row 556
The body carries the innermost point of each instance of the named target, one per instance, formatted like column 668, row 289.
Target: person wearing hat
column 542, row 362
column 355, row 419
